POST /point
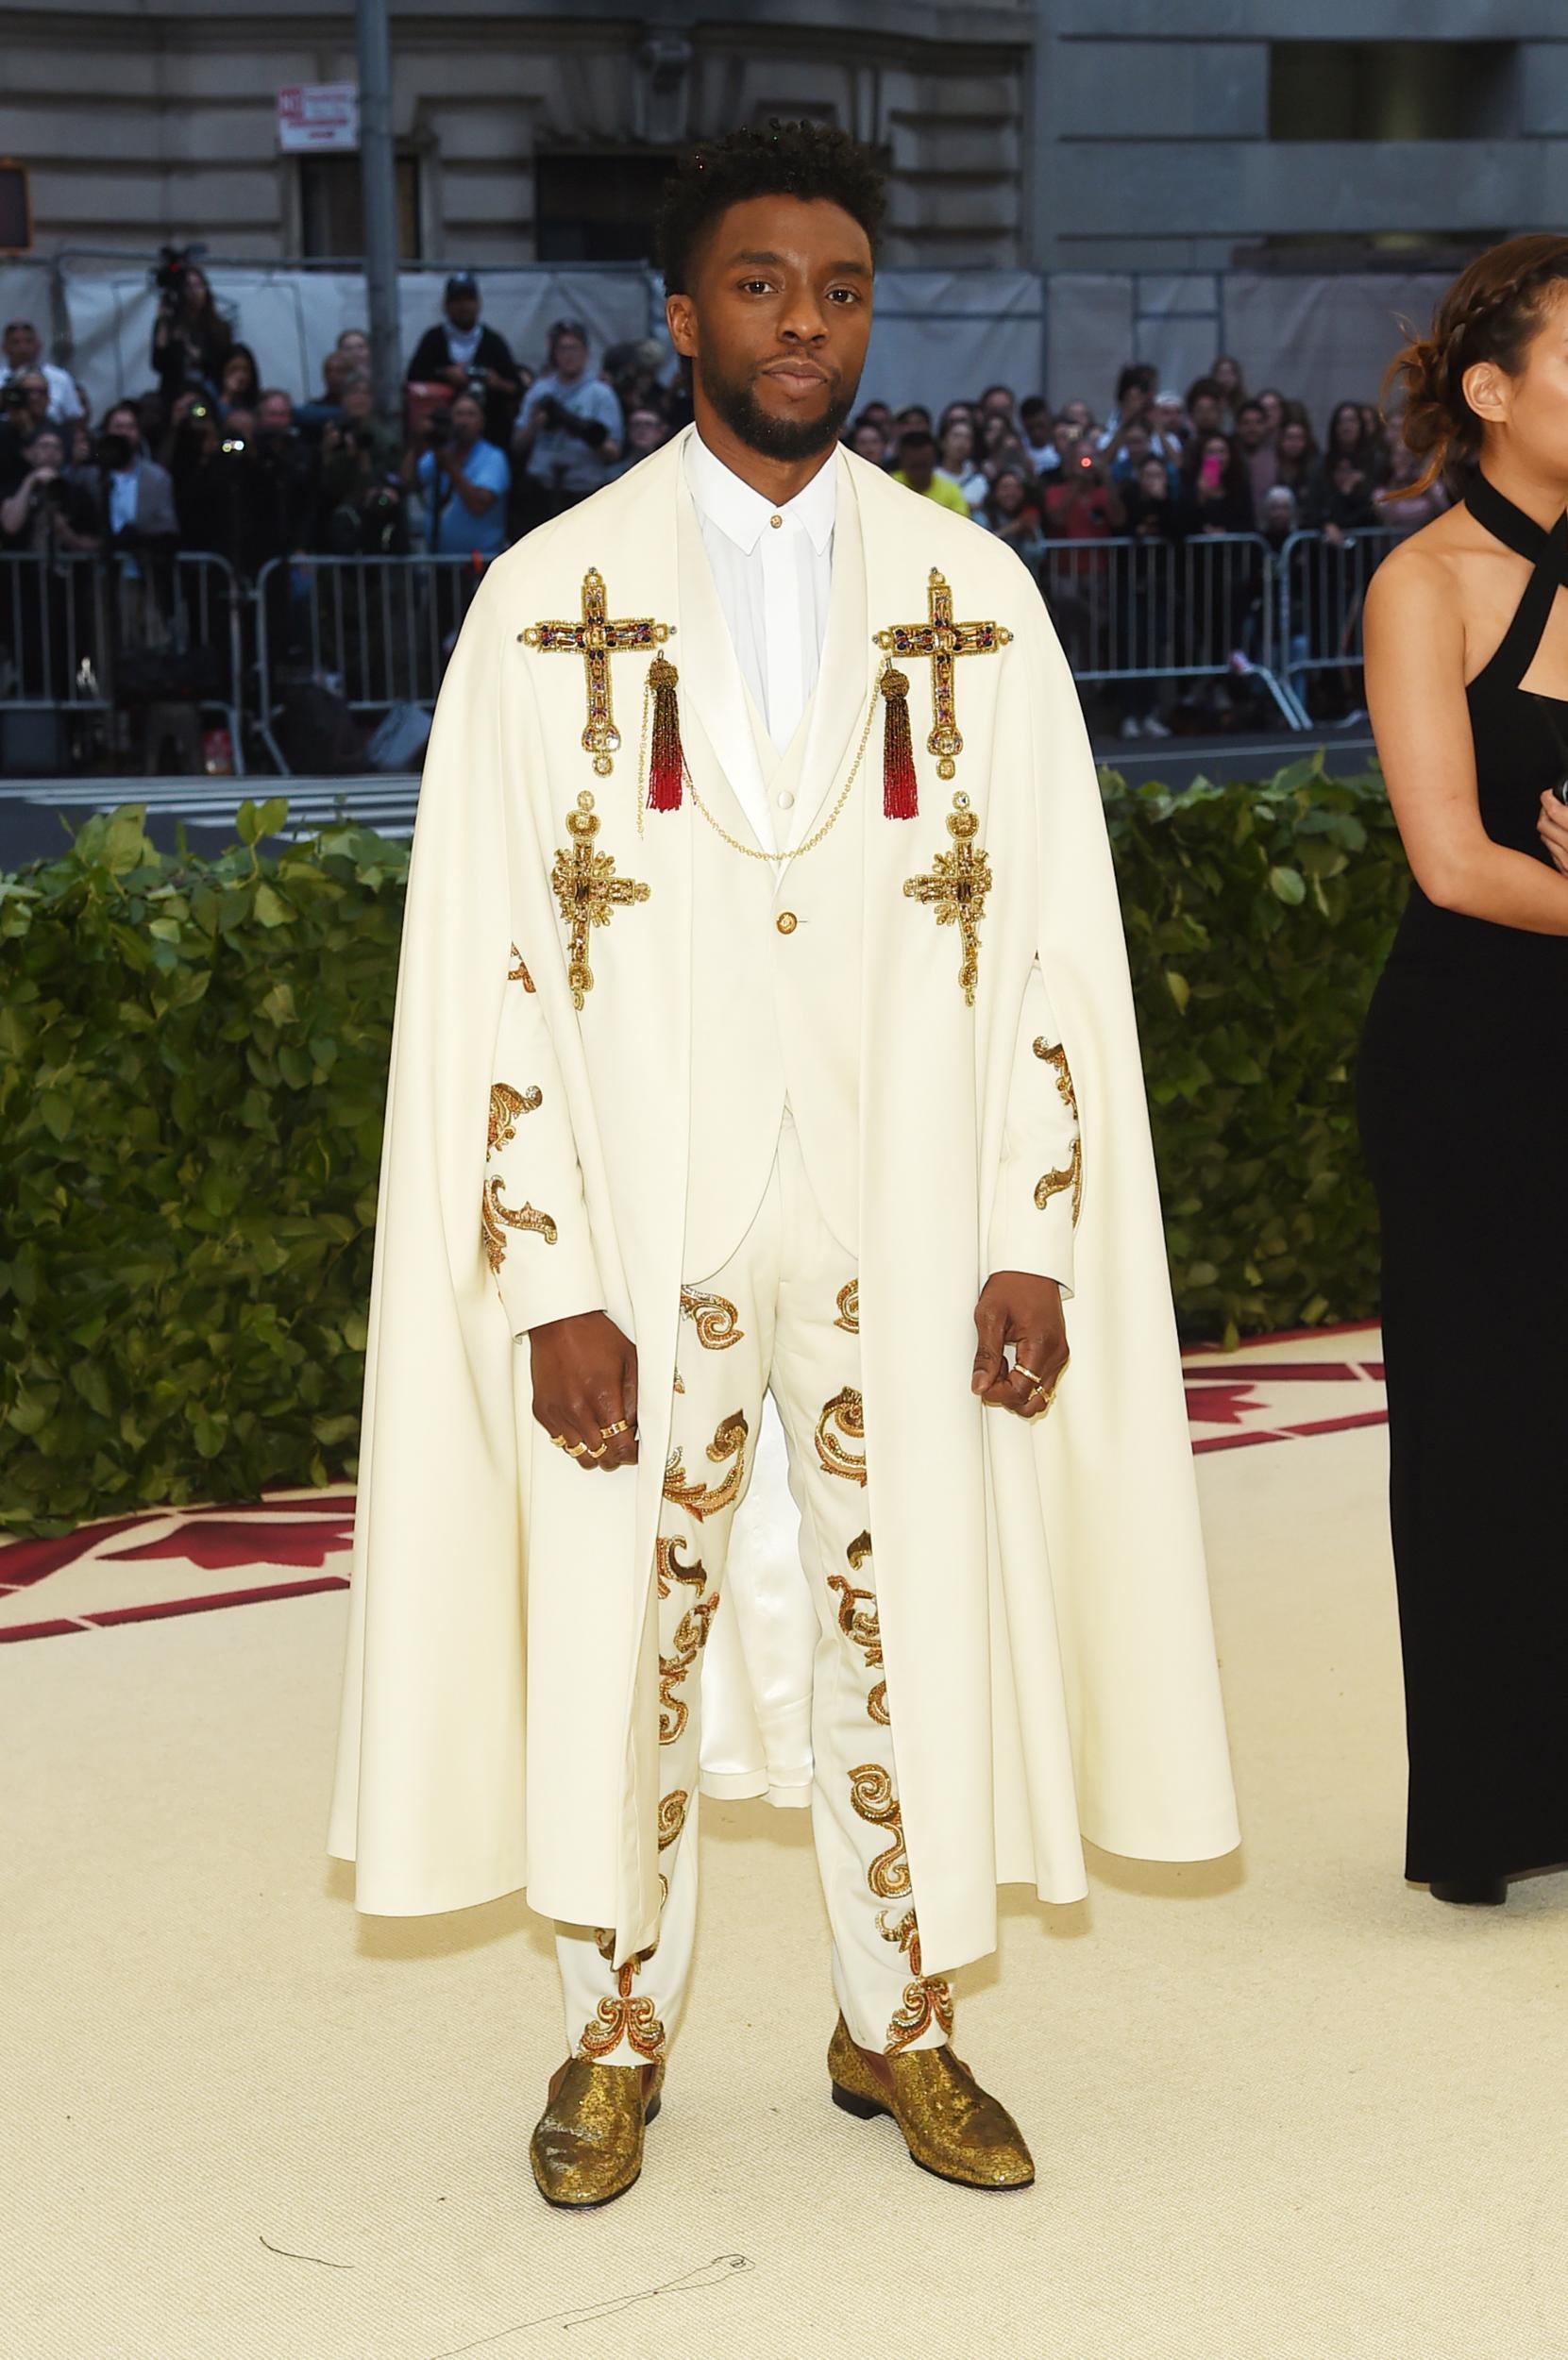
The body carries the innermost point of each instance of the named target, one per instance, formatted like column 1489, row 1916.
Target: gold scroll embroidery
column 629, row 2017
column 849, row 1309
column 1050, row 1184
column 589, row 892
column 729, row 1442
column 871, row 1793
column 846, row 1411
column 506, row 1105
column 1056, row 1056
column 943, row 640
column 858, row 1620
column 955, row 887
column 927, row 1998
column 691, row 1634
column 672, row 1817
column 497, row 1219
column 518, row 972
column 596, row 638
column 716, row 1322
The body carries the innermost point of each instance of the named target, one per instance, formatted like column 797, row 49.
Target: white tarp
column 937, row 334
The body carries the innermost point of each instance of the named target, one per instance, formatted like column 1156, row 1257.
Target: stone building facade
column 1110, row 134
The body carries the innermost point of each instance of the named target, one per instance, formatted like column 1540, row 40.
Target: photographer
column 22, row 349
column 362, row 510
column 190, row 344
column 465, row 480
column 134, row 495
column 47, row 513
column 458, row 352
column 571, row 430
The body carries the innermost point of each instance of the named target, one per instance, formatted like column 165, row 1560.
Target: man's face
column 21, row 345
column 998, row 402
column 355, row 348
column 337, row 367
column 46, row 449
column 468, row 419
column 776, row 321
column 1251, row 427
column 125, row 423
column 37, row 390
column 568, row 357
column 918, row 465
column 463, row 310
column 356, row 401
column 1136, row 444
column 273, row 414
column 1206, row 414
column 645, row 429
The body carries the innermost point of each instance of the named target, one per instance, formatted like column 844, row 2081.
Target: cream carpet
column 1282, row 2109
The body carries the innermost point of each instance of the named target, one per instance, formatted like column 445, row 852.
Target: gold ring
column 622, row 1426
column 574, row 1450
column 595, row 1454
column 1019, row 1369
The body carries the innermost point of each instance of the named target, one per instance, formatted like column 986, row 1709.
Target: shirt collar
column 743, row 515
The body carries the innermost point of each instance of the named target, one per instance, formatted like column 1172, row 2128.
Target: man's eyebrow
column 835, row 270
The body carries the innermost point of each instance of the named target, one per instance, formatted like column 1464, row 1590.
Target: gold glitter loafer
column 587, row 2145
column 951, row 2126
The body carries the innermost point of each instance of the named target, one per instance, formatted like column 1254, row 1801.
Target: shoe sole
column 865, row 2109
column 597, row 2203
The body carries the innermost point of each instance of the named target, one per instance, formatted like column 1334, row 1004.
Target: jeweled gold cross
column 940, row 638
column 596, row 639
column 585, row 885
column 956, row 888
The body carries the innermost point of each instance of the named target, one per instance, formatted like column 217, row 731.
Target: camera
column 167, row 276
column 115, row 452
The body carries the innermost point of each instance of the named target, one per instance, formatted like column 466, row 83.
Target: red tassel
column 668, row 762
column 899, row 789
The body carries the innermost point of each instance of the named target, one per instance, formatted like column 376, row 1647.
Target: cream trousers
column 781, row 1316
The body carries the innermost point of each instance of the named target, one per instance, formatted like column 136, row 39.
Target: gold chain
column 735, row 843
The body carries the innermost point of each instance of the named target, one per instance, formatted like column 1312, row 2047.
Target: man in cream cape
column 764, row 1025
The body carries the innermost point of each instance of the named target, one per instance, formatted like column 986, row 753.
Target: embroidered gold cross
column 585, row 885
column 596, row 639
column 940, row 638
column 956, row 887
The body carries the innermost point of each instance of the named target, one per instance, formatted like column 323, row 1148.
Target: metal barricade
column 86, row 634
column 1320, row 587
column 1136, row 610
column 378, row 631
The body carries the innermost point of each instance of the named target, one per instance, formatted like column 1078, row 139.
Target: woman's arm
column 1415, row 666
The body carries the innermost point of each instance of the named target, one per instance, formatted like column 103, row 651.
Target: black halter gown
column 1462, row 1092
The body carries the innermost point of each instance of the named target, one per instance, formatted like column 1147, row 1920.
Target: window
column 598, row 209
column 331, row 207
column 1392, row 90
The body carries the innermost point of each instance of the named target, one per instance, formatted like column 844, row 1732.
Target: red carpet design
column 139, row 1569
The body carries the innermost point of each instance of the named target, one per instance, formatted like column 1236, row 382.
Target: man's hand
column 585, row 1380
column 1026, row 1312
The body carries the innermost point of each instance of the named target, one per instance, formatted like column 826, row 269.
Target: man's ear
column 681, row 319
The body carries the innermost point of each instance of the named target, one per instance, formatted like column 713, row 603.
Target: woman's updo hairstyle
column 1491, row 313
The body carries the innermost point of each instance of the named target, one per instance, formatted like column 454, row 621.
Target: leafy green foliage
column 1258, row 918
column 192, row 1064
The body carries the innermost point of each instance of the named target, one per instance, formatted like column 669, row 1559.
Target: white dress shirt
column 773, row 569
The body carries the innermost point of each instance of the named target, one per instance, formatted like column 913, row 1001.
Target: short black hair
column 811, row 161
column 916, row 438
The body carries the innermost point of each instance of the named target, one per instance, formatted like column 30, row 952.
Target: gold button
column 775, row 522
column 786, row 922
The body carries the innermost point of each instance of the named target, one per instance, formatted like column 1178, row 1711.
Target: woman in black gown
column 1462, row 1082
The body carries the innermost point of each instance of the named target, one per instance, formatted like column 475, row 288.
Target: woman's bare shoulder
column 1425, row 572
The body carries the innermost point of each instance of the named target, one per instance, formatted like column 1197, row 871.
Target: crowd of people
column 210, row 456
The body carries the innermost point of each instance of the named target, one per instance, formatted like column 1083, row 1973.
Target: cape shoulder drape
column 1042, row 1591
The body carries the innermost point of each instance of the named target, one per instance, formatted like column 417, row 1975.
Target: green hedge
column 193, row 1055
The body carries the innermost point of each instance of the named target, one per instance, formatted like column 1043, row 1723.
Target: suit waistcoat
column 776, row 943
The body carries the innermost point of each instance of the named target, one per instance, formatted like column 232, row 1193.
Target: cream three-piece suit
column 751, row 1107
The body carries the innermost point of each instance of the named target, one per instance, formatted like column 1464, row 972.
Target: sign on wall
column 318, row 116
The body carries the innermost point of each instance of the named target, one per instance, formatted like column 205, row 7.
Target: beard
column 771, row 437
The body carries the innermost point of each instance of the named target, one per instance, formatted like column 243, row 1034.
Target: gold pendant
column 596, row 638
column 955, row 887
column 588, row 890
column 943, row 640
